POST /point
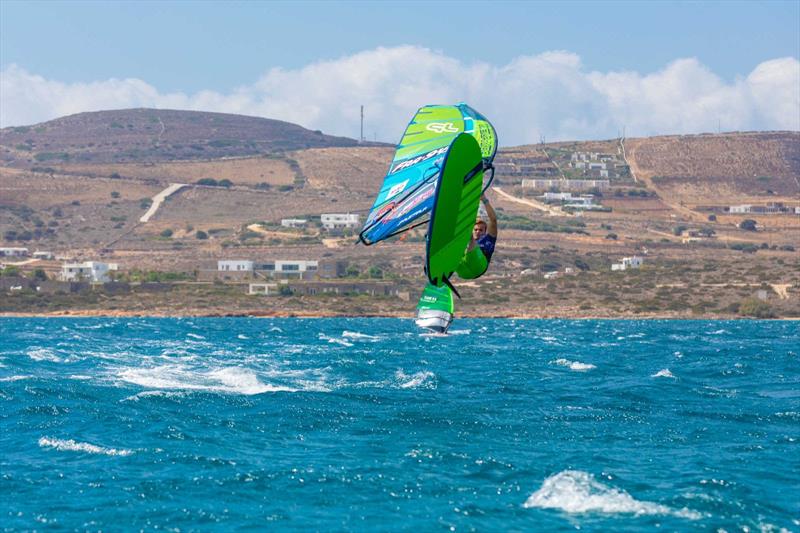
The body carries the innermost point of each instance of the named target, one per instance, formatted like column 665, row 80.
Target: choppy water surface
column 363, row 424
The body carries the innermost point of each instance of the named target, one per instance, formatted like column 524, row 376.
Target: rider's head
column 479, row 229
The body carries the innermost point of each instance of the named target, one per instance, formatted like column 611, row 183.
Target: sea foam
column 73, row 446
column 231, row 380
column 576, row 366
column 663, row 373
column 574, row 491
column 424, row 379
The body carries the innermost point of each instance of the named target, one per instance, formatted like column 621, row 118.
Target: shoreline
column 281, row 314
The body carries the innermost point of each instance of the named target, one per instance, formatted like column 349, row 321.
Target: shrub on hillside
column 748, row 224
column 201, row 235
column 753, row 307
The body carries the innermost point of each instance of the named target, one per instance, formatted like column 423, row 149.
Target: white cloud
column 549, row 94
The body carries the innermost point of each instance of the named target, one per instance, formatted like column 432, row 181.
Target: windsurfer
column 481, row 246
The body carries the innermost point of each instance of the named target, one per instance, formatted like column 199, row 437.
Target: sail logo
column 397, row 189
column 442, row 127
column 419, row 159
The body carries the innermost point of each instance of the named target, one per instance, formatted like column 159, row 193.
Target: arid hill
column 154, row 135
column 730, row 167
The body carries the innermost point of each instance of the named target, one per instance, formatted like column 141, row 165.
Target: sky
column 559, row 70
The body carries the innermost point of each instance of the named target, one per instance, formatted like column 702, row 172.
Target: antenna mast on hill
column 361, row 138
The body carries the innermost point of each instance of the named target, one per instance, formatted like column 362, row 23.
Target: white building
column 340, row 220
column 262, row 288
column 295, row 267
column 93, row 271
column 235, row 265
column 583, row 202
column 43, row 255
column 293, row 222
column 289, row 269
column 557, row 197
column 550, row 275
column 565, row 185
column 741, row 209
column 13, row 252
column 628, row 262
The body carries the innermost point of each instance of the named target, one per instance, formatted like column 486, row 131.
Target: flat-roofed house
column 339, row 220
column 628, row 263
column 293, row 222
column 234, row 265
column 296, row 269
column 93, row 271
column 13, row 252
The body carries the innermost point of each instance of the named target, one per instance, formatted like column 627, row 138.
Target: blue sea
column 365, row 425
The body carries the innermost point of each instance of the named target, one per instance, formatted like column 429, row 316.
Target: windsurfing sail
column 455, row 206
column 406, row 195
column 435, row 308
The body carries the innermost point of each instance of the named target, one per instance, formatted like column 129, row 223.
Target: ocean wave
column 334, row 340
column 43, row 354
column 575, row 491
column 459, row 332
column 231, row 380
column 357, row 335
column 73, row 446
column 575, row 366
column 153, row 394
column 422, row 380
column 664, row 373
column 196, row 336
column 15, row 378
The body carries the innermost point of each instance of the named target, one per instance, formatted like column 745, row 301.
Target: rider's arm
column 492, row 226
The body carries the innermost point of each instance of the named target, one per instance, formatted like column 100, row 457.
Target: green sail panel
column 454, row 209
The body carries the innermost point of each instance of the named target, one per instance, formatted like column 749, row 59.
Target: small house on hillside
column 93, row 271
column 339, row 220
column 13, row 252
column 628, row 263
column 294, row 222
column 235, row 265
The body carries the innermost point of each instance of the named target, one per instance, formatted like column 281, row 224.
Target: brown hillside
column 148, row 135
column 727, row 168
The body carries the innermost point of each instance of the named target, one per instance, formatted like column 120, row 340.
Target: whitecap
column 276, row 329
column 232, row 380
column 357, row 335
column 195, row 336
column 73, row 446
column 43, row 354
column 575, row 366
column 663, row 373
column 459, row 332
column 574, row 491
column 80, row 377
column 424, row 379
column 153, row 394
column 15, row 378
column 334, row 340
column 243, row 337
